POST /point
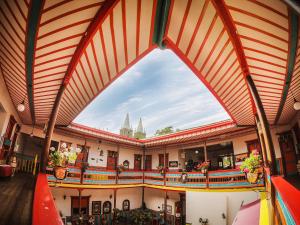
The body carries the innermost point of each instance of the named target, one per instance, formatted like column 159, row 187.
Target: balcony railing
column 213, row 179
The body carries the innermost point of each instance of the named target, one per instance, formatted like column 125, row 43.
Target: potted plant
column 252, row 167
column 120, row 168
column 58, row 160
column 203, row 167
column 161, row 169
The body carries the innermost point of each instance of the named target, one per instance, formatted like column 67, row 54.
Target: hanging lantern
column 21, row 106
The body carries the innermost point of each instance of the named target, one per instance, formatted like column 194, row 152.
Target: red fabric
column 5, row 170
column 44, row 209
column 290, row 196
column 248, row 214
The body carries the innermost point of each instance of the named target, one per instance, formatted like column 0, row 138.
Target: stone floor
column 16, row 196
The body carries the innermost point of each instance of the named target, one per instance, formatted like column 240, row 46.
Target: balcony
column 96, row 178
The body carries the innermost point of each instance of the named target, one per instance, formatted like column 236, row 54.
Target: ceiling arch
column 222, row 41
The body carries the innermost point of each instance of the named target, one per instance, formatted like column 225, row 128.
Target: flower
column 246, row 170
column 52, row 149
column 63, row 145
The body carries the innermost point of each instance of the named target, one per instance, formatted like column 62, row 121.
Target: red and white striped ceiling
column 222, row 41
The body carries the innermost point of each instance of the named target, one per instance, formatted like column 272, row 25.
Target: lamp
column 31, row 134
column 296, row 103
column 21, row 106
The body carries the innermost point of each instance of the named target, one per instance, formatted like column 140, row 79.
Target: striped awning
column 86, row 45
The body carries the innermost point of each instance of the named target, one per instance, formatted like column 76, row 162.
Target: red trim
column 71, row 12
column 53, row 60
column 263, row 43
column 56, row 5
column 79, row 89
column 111, row 21
column 71, row 86
column 228, row 22
column 50, row 68
column 267, row 70
column 104, row 52
column 86, row 77
column 100, row 16
column 264, row 53
column 44, row 209
column 269, row 8
column 124, row 30
column 12, row 27
column 97, row 63
column 187, row 9
column 12, row 39
column 226, row 73
column 138, row 27
column 211, row 26
column 14, row 16
column 91, row 70
column 203, row 11
column 64, row 28
column 221, row 66
column 59, row 41
column 212, row 50
column 80, row 80
column 55, row 51
column 184, row 58
column 231, row 8
column 20, row 10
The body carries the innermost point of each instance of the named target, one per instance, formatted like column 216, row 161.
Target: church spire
column 126, row 122
column 126, row 129
column 140, row 126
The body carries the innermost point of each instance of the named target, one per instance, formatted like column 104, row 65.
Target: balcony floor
column 16, row 195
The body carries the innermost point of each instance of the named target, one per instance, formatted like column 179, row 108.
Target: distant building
column 126, row 129
column 140, row 132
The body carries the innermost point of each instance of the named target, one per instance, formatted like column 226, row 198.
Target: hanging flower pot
column 252, row 177
column 252, row 168
column 60, row 172
column 183, row 177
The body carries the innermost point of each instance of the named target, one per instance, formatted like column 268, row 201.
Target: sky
column 161, row 90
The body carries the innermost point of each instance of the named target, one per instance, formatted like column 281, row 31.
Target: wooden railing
column 287, row 201
column 213, row 179
column 27, row 164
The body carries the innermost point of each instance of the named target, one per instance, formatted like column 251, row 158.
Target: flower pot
column 252, row 177
column 60, row 173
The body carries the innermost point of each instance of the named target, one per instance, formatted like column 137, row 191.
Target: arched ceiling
column 86, row 45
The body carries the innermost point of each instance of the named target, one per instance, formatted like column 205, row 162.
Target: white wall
column 155, row 198
column 211, row 205
column 134, row 195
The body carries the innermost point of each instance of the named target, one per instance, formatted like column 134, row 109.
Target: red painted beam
column 225, row 16
column 44, row 209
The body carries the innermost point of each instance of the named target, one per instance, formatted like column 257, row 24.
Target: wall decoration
column 96, row 207
column 173, row 164
column 241, row 157
column 169, row 209
column 126, row 164
column 107, row 207
column 126, row 205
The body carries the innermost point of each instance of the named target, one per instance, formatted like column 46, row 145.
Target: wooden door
column 137, row 162
column 162, row 160
column 84, row 205
column 111, row 160
column 288, row 153
column 148, row 162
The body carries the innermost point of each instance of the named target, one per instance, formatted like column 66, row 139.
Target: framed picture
column 173, row 164
column 107, row 207
column 169, row 209
column 241, row 157
column 126, row 205
column 96, row 207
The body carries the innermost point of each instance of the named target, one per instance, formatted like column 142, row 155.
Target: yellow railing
column 27, row 165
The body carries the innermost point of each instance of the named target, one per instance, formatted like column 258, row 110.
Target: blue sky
column 161, row 90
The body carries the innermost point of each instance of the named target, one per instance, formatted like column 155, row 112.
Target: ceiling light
column 21, row 107
column 296, row 105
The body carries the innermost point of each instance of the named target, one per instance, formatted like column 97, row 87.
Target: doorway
column 84, row 203
column 288, row 153
column 148, row 162
column 137, row 162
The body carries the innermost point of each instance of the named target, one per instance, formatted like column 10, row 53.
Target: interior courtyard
column 57, row 57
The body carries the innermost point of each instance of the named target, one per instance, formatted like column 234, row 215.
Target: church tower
column 126, row 129
column 140, row 131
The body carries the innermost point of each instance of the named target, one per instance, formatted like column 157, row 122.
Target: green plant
column 60, row 157
column 251, row 163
